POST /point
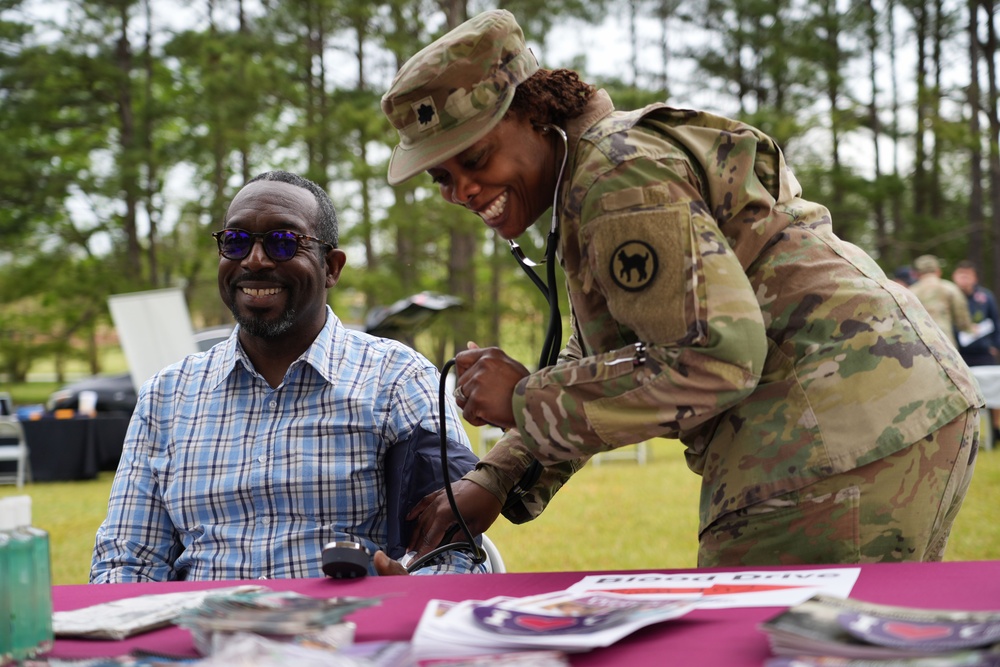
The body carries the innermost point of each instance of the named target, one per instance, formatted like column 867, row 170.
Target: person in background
column 981, row 348
column 904, row 276
column 830, row 419
column 244, row 461
column 942, row 298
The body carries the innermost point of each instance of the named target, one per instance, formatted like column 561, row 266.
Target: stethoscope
column 548, row 357
column 553, row 335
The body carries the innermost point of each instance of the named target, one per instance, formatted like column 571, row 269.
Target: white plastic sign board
column 154, row 329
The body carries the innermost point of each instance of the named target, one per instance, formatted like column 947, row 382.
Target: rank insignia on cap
column 634, row 265
column 426, row 113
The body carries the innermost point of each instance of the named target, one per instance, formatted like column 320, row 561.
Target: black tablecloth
column 72, row 449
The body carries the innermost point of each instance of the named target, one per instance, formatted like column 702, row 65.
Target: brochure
column 729, row 590
column 847, row 628
column 123, row 618
column 562, row 621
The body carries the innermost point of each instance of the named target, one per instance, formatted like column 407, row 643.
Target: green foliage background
column 128, row 125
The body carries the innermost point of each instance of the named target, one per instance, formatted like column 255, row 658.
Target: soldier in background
column 942, row 298
column 830, row 419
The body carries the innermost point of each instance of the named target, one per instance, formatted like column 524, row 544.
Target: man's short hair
column 326, row 222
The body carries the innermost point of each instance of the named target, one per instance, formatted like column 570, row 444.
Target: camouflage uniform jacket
column 946, row 303
column 712, row 304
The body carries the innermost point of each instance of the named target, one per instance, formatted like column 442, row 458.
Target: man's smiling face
column 272, row 299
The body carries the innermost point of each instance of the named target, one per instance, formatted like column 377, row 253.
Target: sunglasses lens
column 235, row 243
column 281, row 246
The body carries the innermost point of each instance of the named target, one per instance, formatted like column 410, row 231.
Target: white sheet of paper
column 722, row 590
column 984, row 328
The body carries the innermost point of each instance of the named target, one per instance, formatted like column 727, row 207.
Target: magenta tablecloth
column 716, row 638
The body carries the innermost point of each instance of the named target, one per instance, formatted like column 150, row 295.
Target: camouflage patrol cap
column 926, row 263
column 455, row 90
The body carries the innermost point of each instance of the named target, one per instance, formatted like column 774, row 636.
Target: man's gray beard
column 267, row 330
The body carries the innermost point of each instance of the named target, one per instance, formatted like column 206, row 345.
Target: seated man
column 242, row 462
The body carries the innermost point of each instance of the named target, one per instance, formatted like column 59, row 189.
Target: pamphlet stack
column 25, row 583
column 825, row 630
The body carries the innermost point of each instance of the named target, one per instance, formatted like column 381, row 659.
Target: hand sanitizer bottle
column 41, row 578
column 20, row 580
column 6, row 642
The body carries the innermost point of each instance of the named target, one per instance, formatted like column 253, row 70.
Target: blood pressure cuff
column 412, row 470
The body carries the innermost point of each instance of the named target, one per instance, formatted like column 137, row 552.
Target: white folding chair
column 488, row 436
column 494, row 561
column 637, row 452
column 10, row 430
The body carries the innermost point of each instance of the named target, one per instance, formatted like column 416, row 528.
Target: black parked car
column 115, row 393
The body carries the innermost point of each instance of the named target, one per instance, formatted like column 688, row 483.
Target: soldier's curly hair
column 551, row 96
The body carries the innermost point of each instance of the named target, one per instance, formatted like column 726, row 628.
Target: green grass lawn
column 615, row 515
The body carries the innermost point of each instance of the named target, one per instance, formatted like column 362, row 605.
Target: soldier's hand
column 486, row 378
column 435, row 520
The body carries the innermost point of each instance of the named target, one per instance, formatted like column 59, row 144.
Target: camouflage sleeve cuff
column 502, row 467
column 490, row 479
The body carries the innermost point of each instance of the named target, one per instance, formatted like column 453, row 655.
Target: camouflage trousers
column 899, row 508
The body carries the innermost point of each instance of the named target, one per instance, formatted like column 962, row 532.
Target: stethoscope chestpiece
column 345, row 560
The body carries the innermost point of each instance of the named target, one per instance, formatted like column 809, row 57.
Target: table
column 988, row 378
column 989, row 382
column 707, row 638
column 74, row 449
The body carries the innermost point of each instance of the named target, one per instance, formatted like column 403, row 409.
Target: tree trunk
column 989, row 52
column 152, row 167
column 883, row 243
column 920, row 180
column 128, row 168
column 464, row 238
column 633, row 33
column 900, row 231
column 497, row 261
column 936, row 194
column 977, row 234
column 832, row 60
column 404, row 250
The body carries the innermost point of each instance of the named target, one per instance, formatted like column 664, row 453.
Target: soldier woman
column 829, row 419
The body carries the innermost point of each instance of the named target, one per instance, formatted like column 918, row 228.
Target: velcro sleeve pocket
column 640, row 260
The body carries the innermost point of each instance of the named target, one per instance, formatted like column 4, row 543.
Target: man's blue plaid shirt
column 223, row 477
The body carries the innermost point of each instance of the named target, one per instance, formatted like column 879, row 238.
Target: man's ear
column 335, row 261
